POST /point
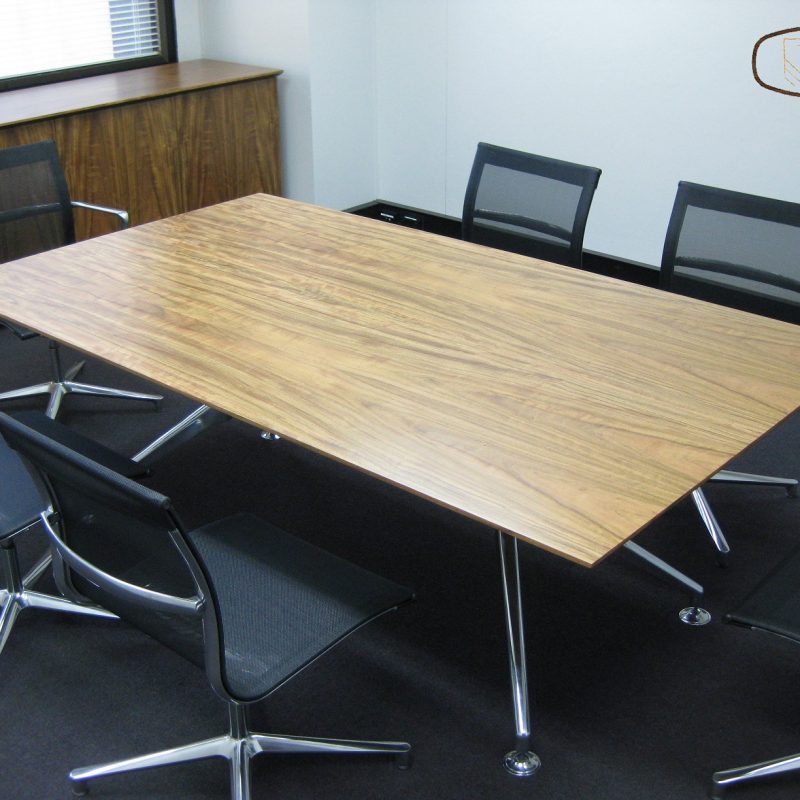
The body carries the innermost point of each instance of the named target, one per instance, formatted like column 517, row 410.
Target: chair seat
column 253, row 603
column 282, row 601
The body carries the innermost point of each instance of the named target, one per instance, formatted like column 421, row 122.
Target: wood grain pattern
column 88, row 94
column 156, row 141
column 126, row 157
column 566, row 408
column 229, row 142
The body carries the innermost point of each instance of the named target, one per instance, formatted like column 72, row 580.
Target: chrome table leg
column 193, row 423
column 712, row 526
column 520, row 761
column 691, row 615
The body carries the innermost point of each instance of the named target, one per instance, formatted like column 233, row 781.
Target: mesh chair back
column 528, row 204
column 125, row 530
column 774, row 604
column 21, row 500
column 728, row 246
column 35, row 210
column 277, row 604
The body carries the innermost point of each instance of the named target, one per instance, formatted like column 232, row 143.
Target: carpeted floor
column 628, row 703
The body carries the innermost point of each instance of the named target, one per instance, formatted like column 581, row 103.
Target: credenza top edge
column 38, row 103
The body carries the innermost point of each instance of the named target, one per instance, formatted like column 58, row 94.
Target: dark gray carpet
column 628, row 703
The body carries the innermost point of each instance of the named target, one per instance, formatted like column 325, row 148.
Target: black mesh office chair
column 36, row 214
column 249, row 602
column 528, row 204
column 773, row 606
column 22, row 501
column 740, row 250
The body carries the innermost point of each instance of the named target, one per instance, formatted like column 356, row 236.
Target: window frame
column 168, row 55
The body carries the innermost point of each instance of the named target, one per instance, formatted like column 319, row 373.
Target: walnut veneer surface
column 155, row 141
column 566, row 408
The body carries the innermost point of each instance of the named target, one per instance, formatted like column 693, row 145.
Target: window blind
column 42, row 36
column 134, row 27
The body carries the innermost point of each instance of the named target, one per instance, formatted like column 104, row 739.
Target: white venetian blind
column 39, row 36
column 134, row 27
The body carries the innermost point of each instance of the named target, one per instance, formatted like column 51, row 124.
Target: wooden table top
column 563, row 407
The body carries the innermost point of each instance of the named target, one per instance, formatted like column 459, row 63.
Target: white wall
column 651, row 92
column 188, row 32
column 343, row 95
column 271, row 34
column 326, row 93
column 412, row 80
column 388, row 99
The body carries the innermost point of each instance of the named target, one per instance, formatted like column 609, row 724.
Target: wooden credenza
column 156, row 141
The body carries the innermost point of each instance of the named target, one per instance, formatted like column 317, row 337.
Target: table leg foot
column 521, row 763
column 694, row 615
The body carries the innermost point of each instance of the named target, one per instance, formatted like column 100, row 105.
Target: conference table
column 560, row 408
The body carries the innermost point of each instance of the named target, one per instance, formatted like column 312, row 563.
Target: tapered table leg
column 520, row 761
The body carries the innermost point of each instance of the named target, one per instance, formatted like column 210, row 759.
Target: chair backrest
column 21, row 498
column 735, row 249
column 528, row 204
column 35, row 210
column 124, row 547
column 774, row 604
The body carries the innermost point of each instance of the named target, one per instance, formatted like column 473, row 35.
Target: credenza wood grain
column 127, row 156
column 156, row 141
column 243, row 161
column 89, row 94
column 566, row 408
